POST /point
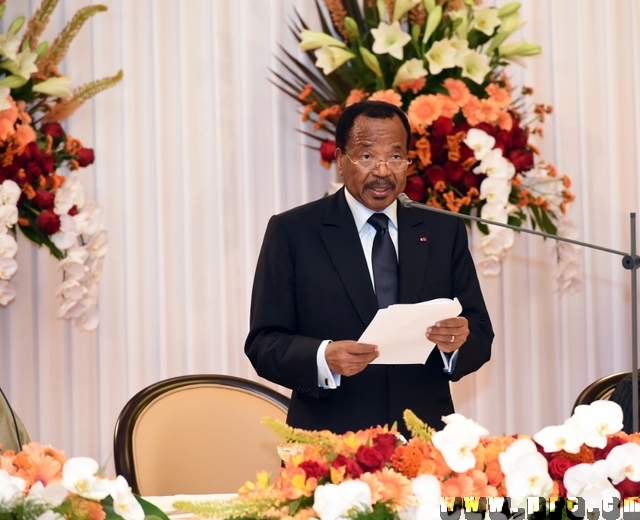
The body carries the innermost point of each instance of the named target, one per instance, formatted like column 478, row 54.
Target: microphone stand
column 630, row 261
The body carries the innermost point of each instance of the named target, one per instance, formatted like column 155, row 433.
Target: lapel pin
column 423, row 239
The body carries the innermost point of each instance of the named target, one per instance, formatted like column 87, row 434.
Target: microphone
column 630, row 261
column 627, row 260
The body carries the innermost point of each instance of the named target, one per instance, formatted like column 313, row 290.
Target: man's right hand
column 349, row 357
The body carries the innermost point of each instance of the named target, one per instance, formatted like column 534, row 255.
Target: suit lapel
column 413, row 244
column 340, row 237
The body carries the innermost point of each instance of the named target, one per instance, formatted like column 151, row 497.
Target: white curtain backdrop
column 195, row 150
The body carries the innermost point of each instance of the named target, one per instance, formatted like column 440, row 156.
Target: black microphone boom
column 630, row 261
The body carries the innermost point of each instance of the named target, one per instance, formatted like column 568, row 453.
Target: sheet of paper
column 399, row 330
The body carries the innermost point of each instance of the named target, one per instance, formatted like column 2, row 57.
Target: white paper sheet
column 399, row 330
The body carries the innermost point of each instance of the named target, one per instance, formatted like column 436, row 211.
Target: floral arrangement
column 40, row 483
column 443, row 62
column 375, row 473
column 40, row 190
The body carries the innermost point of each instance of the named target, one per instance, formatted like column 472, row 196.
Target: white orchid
column 71, row 290
column 598, row 419
column 410, row 70
column 591, row 483
column 10, row 487
column 53, row 494
column 495, row 190
column 493, row 164
column 331, row 58
column 389, row 39
column 68, row 233
column 497, row 241
column 90, row 218
column 7, row 292
column 124, row 502
column 333, row 502
column 9, row 192
column 486, row 20
column 475, row 66
column 495, row 212
column 623, row 462
column 8, row 267
column 79, row 475
column 98, row 244
column 489, row 265
column 89, row 319
column 442, row 55
column 458, row 418
column 68, row 195
column 8, row 217
column 427, row 490
column 480, row 142
column 567, row 437
column 8, row 246
column 456, row 441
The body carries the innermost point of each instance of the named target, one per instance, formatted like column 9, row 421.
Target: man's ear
column 339, row 155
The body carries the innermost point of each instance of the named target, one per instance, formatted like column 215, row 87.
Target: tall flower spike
column 338, row 14
column 60, row 45
column 416, row 426
column 38, row 23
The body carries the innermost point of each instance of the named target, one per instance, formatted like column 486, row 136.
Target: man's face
column 382, row 139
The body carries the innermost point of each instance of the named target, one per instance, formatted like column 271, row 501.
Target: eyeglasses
column 368, row 164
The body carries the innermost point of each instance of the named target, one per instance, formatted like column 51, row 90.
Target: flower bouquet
column 40, row 190
column 443, row 62
column 375, row 473
column 40, row 483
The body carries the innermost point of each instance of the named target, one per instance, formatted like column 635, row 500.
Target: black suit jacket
column 312, row 283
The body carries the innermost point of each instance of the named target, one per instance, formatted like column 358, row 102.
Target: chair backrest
column 600, row 389
column 197, row 434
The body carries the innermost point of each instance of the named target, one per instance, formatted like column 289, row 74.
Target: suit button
column 392, row 367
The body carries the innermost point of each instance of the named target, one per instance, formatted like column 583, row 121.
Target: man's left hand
column 449, row 335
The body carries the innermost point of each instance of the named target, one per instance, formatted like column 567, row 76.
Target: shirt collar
column 361, row 213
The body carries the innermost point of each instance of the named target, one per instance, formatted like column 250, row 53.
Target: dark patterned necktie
column 384, row 261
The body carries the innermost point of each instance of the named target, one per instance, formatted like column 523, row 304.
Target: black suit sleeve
column 276, row 350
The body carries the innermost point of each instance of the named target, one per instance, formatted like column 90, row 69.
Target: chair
column 599, row 389
column 197, row 434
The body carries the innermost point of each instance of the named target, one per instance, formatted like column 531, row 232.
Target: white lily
column 567, row 437
column 623, row 462
column 480, row 142
column 511, row 50
column 410, row 70
column 124, row 503
column 331, row 58
column 8, row 246
column 23, row 65
column 9, row 45
column 475, row 66
column 10, row 487
column 79, row 477
column 333, row 502
column 442, row 55
column 389, row 39
column 68, row 233
column 311, row 40
column 590, row 482
column 462, row 50
column 486, row 20
column 456, row 442
column 7, row 292
column 4, row 98
column 462, row 28
column 58, row 87
column 497, row 241
column 598, row 419
column 9, row 192
column 402, row 7
column 8, row 267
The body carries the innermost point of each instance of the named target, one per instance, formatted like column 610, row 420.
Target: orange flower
column 494, row 473
column 414, row 85
column 449, row 107
column 306, row 92
column 458, row 91
column 424, row 110
column 307, row 110
column 457, row 486
column 423, row 151
column 355, row 96
column 389, row 485
column 406, row 459
column 499, row 95
column 388, row 96
column 505, row 122
column 472, row 112
column 83, row 508
column 24, row 135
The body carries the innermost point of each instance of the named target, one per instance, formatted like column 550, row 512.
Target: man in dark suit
column 317, row 288
column 623, row 395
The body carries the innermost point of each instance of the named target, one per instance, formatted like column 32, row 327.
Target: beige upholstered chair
column 197, row 434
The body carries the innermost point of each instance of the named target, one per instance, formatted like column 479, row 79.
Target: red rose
column 314, row 469
column 558, row 466
column 33, row 170
column 73, row 211
column 43, row 199
column 487, row 128
column 415, row 188
column 48, row 163
column 85, row 157
column 353, row 469
column 49, row 222
column 471, row 180
column 441, row 127
column 386, row 444
column 369, row 458
column 454, row 171
column 53, row 129
column 612, row 442
column 435, row 173
column 438, row 149
column 328, row 150
column 628, row 488
column 521, row 159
